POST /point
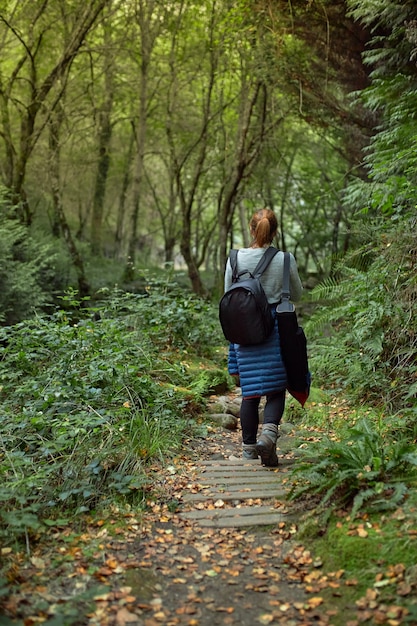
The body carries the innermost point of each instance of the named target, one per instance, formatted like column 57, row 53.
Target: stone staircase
column 236, row 493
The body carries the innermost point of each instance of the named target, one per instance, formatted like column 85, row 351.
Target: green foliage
column 363, row 333
column 26, row 268
column 368, row 550
column 392, row 95
column 391, row 160
column 176, row 317
column 21, row 261
column 366, row 467
column 89, row 396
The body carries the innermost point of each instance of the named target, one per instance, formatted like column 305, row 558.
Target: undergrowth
column 363, row 335
column 362, row 467
column 89, row 396
column 374, row 556
column 355, row 476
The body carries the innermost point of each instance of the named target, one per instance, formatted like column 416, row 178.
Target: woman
column 260, row 368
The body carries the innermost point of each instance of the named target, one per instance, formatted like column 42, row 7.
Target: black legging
column 249, row 414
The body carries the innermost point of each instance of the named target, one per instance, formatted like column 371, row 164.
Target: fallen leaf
column 124, row 616
column 404, row 589
column 187, row 609
column 267, row 618
column 160, row 616
column 102, row 597
column 211, row 573
column 395, row 612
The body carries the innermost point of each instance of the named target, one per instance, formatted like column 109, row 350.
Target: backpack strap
column 259, row 269
column 265, row 261
column 285, row 293
column 233, row 264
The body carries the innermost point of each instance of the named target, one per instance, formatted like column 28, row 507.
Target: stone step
column 235, row 481
column 235, row 517
column 207, row 491
column 231, row 495
column 232, row 461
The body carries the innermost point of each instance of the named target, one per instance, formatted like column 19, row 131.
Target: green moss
column 374, row 552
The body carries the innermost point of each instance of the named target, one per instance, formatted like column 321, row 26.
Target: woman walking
column 260, row 368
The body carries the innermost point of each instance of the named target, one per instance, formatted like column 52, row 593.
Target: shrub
column 364, row 468
column 32, row 269
column 88, row 398
column 173, row 316
column 364, row 333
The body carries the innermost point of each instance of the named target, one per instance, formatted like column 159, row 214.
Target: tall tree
column 26, row 87
column 60, row 223
column 104, row 122
column 148, row 16
column 217, row 113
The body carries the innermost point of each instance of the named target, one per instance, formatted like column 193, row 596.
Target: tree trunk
column 147, row 40
column 60, row 224
column 284, row 196
column 192, row 268
column 104, row 138
column 38, row 93
column 121, row 209
column 243, row 218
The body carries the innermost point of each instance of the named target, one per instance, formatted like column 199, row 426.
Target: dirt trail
column 191, row 570
column 217, row 545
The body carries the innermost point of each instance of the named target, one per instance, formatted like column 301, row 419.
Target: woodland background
column 136, row 139
column 143, row 134
column 140, row 133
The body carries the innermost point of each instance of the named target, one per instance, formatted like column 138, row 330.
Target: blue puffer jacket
column 260, row 368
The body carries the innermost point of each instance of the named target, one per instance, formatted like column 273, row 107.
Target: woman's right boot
column 249, row 451
column 266, row 445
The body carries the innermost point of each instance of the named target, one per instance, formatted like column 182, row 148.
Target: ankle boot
column 266, row 445
column 249, row 451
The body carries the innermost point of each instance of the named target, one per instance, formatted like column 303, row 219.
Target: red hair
column 263, row 227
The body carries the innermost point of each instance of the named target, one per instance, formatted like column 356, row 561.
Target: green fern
column 363, row 332
column 27, row 268
column 382, row 497
column 363, row 469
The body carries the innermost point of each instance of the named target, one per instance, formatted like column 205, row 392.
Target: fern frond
column 329, row 288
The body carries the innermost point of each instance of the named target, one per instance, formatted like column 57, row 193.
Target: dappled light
column 137, row 139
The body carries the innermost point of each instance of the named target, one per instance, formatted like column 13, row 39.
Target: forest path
column 231, row 487
column 227, row 555
column 216, row 545
column 230, row 492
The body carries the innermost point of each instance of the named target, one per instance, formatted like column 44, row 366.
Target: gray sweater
column 247, row 259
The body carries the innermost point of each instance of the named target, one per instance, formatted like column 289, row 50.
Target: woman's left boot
column 266, row 446
column 249, row 451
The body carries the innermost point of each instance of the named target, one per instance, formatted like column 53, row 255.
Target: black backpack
column 244, row 313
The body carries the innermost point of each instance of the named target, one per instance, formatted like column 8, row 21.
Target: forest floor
column 160, row 568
